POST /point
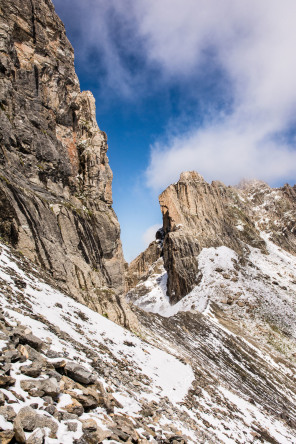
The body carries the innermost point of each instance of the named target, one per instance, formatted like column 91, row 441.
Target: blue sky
column 183, row 85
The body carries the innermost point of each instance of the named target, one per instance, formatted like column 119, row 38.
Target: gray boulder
column 41, row 387
column 8, row 413
column 28, row 420
column 32, row 370
column 80, row 373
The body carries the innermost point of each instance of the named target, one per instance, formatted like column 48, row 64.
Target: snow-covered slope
column 188, row 378
column 77, row 333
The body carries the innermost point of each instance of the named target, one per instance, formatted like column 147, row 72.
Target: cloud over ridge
column 254, row 45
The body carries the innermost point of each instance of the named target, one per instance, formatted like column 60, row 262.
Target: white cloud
column 149, row 234
column 222, row 151
column 251, row 42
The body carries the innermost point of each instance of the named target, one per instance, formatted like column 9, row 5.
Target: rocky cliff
column 198, row 215
column 55, row 180
column 231, row 246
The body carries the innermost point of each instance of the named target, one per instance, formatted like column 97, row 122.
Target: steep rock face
column 199, row 215
column 140, row 267
column 55, row 180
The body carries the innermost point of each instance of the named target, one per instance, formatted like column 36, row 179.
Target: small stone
column 19, row 433
column 2, row 398
column 147, row 412
column 72, row 426
column 17, row 396
column 92, row 433
column 23, row 351
column 54, row 374
column 32, row 387
column 50, row 387
column 6, row 367
column 52, row 354
column 12, row 355
column 226, row 276
column 33, row 370
column 20, row 283
column 34, row 405
column 59, row 364
column 89, row 425
column 75, row 407
column 66, row 416
column 37, row 437
column 6, row 381
column 8, row 413
column 51, row 409
column 6, row 436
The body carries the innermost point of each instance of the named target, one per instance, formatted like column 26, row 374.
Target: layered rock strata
column 55, row 180
column 199, row 215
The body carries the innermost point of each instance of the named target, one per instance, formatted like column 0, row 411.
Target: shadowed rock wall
column 55, row 180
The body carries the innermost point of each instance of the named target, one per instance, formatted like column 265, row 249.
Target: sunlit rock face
column 199, row 215
column 56, row 183
column 232, row 246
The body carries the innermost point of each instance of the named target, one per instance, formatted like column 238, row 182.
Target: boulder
column 28, row 420
column 41, row 387
column 32, row 370
column 79, row 373
column 8, row 413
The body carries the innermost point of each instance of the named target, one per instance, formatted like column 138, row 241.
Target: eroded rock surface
column 55, row 180
column 198, row 215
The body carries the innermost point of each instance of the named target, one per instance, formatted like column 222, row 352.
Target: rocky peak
column 55, row 179
column 198, row 215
